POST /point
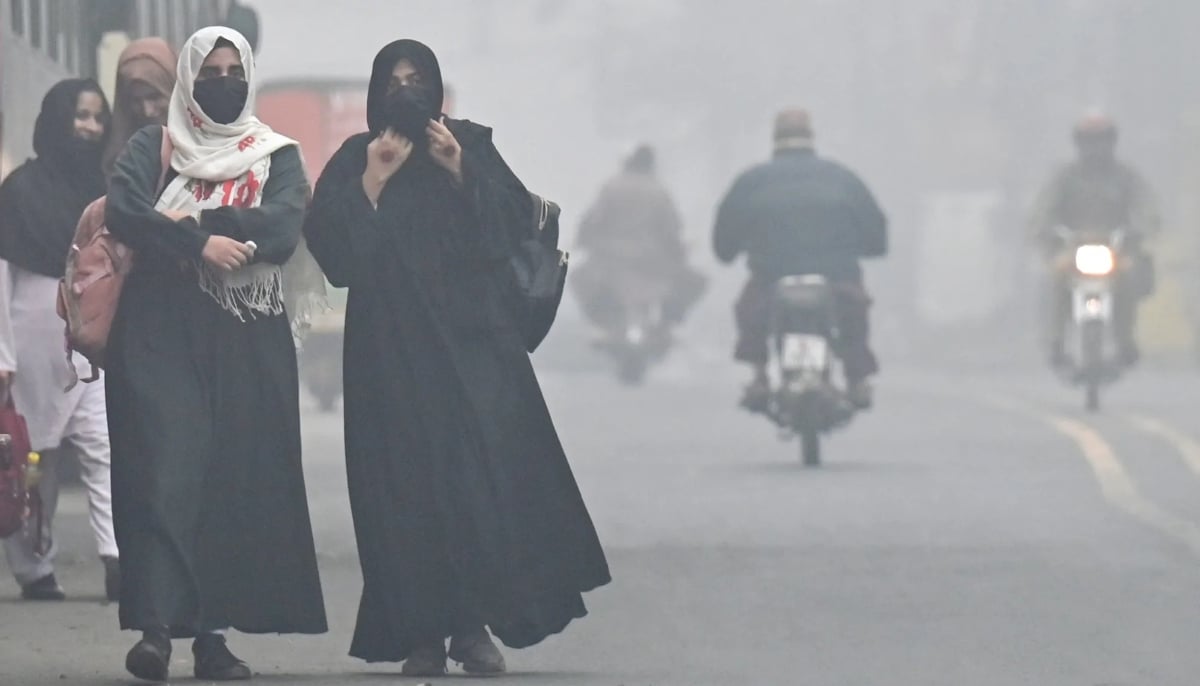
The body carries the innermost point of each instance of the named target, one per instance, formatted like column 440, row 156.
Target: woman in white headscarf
column 208, row 492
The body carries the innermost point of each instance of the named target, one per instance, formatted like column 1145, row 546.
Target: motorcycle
column 643, row 341
column 1092, row 264
column 806, row 400
column 641, row 337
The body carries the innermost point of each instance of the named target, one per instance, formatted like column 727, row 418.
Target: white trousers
column 86, row 439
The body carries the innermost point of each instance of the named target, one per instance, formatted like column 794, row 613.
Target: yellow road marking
column 1119, row 488
column 1187, row 447
column 1116, row 485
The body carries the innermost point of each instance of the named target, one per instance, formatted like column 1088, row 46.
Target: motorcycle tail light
column 1094, row 260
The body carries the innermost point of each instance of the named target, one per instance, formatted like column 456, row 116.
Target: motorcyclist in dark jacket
column 802, row 214
column 634, row 241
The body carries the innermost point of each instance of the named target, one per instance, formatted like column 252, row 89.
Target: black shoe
column 214, row 662
column 477, row 654
column 427, row 660
column 112, row 579
column 861, row 395
column 44, row 589
column 150, row 659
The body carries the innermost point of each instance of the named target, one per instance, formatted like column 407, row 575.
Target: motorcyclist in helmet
column 633, row 238
column 1099, row 194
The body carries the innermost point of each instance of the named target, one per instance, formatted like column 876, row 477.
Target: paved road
column 978, row 529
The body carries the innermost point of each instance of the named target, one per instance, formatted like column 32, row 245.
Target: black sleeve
column 15, row 213
column 130, row 214
column 870, row 220
column 501, row 209
column 340, row 211
column 729, row 234
column 275, row 224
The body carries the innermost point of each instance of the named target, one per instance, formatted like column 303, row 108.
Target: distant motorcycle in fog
column 639, row 336
column 1092, row 265
column 321, row 356
column 807, row 399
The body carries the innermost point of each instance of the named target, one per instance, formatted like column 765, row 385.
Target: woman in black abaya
column 466, row 511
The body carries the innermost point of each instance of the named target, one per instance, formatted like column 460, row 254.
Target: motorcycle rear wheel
column 1092, row 397
column 631, row 370
column 810, row 448
column 1093, row 360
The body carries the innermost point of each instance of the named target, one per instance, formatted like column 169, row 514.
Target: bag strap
column 165, row 152
column 543, row 210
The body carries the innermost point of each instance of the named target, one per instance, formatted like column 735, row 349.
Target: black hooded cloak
column 464, row 505
column 41, row 202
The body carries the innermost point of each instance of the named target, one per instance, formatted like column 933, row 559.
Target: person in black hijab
column 466, row 511
column 40, row 205
column 44, row 198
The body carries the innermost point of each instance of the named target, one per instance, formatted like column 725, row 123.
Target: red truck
column 321, row 115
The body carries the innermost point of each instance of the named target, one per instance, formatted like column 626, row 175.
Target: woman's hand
column 227, row 254
column 445, row 150
column 385, row 155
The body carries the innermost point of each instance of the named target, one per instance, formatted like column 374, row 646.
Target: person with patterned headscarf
column 208, row 488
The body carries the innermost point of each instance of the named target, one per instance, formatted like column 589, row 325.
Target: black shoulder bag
column 541, row 272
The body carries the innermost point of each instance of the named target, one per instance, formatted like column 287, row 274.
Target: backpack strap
column 165, row 152
column 543, row 211
column 74, row 380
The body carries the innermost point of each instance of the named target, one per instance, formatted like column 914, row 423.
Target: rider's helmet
column 1096, row 138
column 642, row 161
column 1096, row 127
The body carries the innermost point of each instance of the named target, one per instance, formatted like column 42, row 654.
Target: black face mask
column 82, row 149
column 79, row 159
column 222, row 98
column 409, row 110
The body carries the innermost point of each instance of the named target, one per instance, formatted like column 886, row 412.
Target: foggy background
column 977, row 528
column 954, row 111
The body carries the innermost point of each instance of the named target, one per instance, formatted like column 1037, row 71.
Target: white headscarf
column 205, row 149
column 229, row 164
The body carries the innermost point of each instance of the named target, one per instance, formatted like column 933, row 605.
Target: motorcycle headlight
column 1095, row 260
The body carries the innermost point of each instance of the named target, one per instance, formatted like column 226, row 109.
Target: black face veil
column 408, row 109
column 40, row 206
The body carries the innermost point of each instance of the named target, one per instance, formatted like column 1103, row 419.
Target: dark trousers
column 851, row 303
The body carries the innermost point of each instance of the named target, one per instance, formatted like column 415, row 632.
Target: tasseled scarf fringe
column 263, row 295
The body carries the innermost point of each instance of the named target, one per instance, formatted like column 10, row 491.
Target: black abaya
column 208, row 490
column 464, row 505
